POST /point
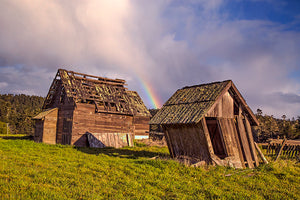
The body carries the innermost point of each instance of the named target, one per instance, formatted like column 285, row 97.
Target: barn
column 211, row 123
column 87, row 110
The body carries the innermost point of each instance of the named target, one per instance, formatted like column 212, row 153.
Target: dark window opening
column 216, row 137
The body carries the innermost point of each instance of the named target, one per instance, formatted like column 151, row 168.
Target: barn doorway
column 216, row 137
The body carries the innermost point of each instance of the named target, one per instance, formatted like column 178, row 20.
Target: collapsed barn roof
column 108, row 95
column 190, row 104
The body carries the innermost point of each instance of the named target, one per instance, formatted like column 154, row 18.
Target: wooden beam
column 245, row 143
column 207, row 137
column 281, row 148
column 97, row 77
column 251, row 141
column 238, row 144
column 260, row 153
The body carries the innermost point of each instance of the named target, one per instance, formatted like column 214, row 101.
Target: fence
column 284, row 148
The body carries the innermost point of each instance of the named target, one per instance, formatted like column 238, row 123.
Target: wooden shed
column 209, row 122
column 45, row 126
column 93, row 111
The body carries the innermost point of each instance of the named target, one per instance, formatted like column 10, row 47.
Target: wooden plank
column 237, row 142
column 289, row 142
column 229, row 134
column 227, row 106
column 225, row 132
column 260, row 153
column 251, row 141
column 281, row 148
column 169, row 143
column 207, row 137
column 244, row 142
column 218, row 103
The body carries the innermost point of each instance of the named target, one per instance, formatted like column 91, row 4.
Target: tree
column 259, row 112
column 18, row 110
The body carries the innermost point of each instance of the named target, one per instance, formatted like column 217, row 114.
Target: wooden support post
column 238, row 143
column 6, row 128
column 260, row 153
column 245, row 142
column 251, row 141
column 283, row 144
column 207, row 137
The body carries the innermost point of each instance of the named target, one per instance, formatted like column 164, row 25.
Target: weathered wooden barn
column 86, row 110
column 210, row 122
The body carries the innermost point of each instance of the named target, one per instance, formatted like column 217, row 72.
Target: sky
column 157, row 46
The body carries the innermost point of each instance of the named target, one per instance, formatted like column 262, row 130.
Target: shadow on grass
column 17, row 137
column 121, row 153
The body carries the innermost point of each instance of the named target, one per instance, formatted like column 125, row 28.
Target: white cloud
column 3, row 84
column 170, row 43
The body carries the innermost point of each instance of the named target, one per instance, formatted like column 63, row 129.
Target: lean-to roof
column 44, row 113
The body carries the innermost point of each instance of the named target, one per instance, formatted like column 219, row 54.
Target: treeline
column 18, row 110
column 271, row 127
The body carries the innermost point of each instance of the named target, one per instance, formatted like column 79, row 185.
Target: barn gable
column 211, row 123
column 45, row 126
column 100, row 106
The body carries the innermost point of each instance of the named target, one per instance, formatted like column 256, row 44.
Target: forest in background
column 271, row 127
column 18, row 110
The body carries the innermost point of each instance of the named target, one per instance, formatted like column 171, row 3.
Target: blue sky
column 170, row 44
column 277, row 11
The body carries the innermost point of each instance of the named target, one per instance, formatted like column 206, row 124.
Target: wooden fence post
column 283, row 144
column 260, row 153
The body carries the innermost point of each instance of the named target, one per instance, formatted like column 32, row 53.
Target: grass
column 31, row 170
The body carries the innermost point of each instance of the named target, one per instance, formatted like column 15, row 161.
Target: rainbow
column 150, row 93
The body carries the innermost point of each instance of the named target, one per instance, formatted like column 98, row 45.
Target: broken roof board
column 102, row 91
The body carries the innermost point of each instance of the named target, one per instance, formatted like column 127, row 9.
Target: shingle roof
column 44, row 113
column 109, row 95
column 189, row 104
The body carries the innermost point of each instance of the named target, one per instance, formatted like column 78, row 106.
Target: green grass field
column 30, row 170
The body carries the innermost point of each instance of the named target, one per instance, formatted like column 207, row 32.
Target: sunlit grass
column 30, row 170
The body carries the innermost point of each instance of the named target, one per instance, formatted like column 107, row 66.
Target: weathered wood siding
column 141, row 125
column 187, row 140
column 86, row 120
column 65, row 107
column 222, row 108
column 64, row 126
column 50, row 125
column 100, row 140
column 231, row 140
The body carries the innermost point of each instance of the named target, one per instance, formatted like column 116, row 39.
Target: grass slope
column 30, row 170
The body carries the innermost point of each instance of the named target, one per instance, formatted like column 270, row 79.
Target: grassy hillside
column 38, row 171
